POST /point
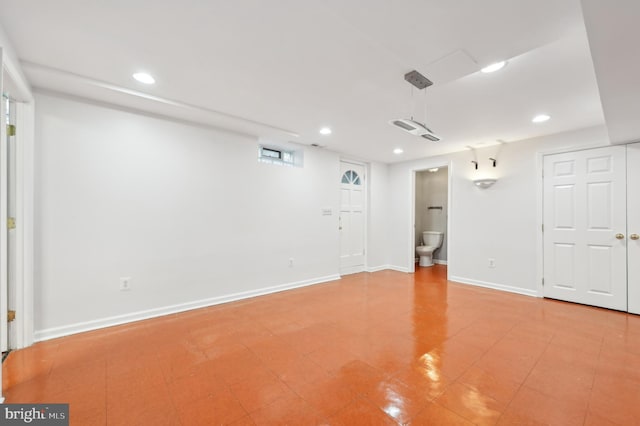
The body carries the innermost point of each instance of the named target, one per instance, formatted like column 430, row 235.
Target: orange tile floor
column 370, row 349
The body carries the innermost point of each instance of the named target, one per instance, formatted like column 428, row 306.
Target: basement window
column 271, row 153
column 279, row 156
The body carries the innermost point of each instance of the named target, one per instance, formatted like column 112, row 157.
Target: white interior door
column 585, row 227
column 633, row 227
column 352, row 223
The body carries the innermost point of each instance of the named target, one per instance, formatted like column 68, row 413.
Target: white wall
column 188, row 213
column 194, row 219
column 377, row 219
column 499, row 222
column 18, row 86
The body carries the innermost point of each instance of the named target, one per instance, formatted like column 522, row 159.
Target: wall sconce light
column 475, row 163
column 494, row 161
column 484, row 183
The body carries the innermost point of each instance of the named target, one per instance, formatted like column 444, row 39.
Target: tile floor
column 370, row 349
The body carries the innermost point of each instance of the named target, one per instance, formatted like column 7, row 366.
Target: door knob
column 620, row 236
column 634, row 236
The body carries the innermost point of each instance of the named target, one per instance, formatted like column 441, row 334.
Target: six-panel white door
column 633, row 226
column 585, row 227
column 351, row 218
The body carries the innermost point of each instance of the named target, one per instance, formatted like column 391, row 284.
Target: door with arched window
column 352, row 214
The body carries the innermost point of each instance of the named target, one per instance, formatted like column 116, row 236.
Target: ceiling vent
column 410, row 125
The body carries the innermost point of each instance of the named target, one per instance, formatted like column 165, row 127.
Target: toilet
column 431, row 241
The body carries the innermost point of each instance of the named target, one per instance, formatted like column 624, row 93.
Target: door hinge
column 11, row 130
column 543, row 227
column 11, row 223
column 11, row 315
column 543, row 282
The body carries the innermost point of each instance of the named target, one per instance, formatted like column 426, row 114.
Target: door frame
column 13, row 81
column 365, row 210
column 411, row 255
column 633, row 270
column 540, row 205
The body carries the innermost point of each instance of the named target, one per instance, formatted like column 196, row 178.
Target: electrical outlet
column 492, row 262
column 125, row 283
column 290, row 262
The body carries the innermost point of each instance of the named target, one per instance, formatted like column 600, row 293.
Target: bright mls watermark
column 34, row 414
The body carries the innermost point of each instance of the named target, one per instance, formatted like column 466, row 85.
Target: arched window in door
column 351, row 177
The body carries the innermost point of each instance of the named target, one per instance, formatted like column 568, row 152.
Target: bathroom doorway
column 431, row 196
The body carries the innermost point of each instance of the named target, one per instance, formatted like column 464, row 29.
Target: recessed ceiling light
column 325, row 131
column 435, row 169
column 494, row 67
column 398, row 151
column 143, row 77
column 541, row 118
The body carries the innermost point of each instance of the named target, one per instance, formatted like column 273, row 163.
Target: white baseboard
column 377, row 268
column 55, row 332
column 495, row 286
column 387, row 268
column 398, row 268
column 352, row 270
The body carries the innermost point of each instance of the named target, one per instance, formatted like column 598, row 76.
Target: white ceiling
column 290, row 67
column 613, row 36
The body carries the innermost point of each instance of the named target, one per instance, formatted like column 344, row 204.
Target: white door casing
column 585, row 227
column 4, row 164
column 12, row 266
column 633, row 227
column 352, row 217
column 13, row 82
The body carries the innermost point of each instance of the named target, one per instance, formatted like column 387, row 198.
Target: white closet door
column 585, row 227
column 633, row 226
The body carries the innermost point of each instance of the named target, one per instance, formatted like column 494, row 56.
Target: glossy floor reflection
column 370, row 349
